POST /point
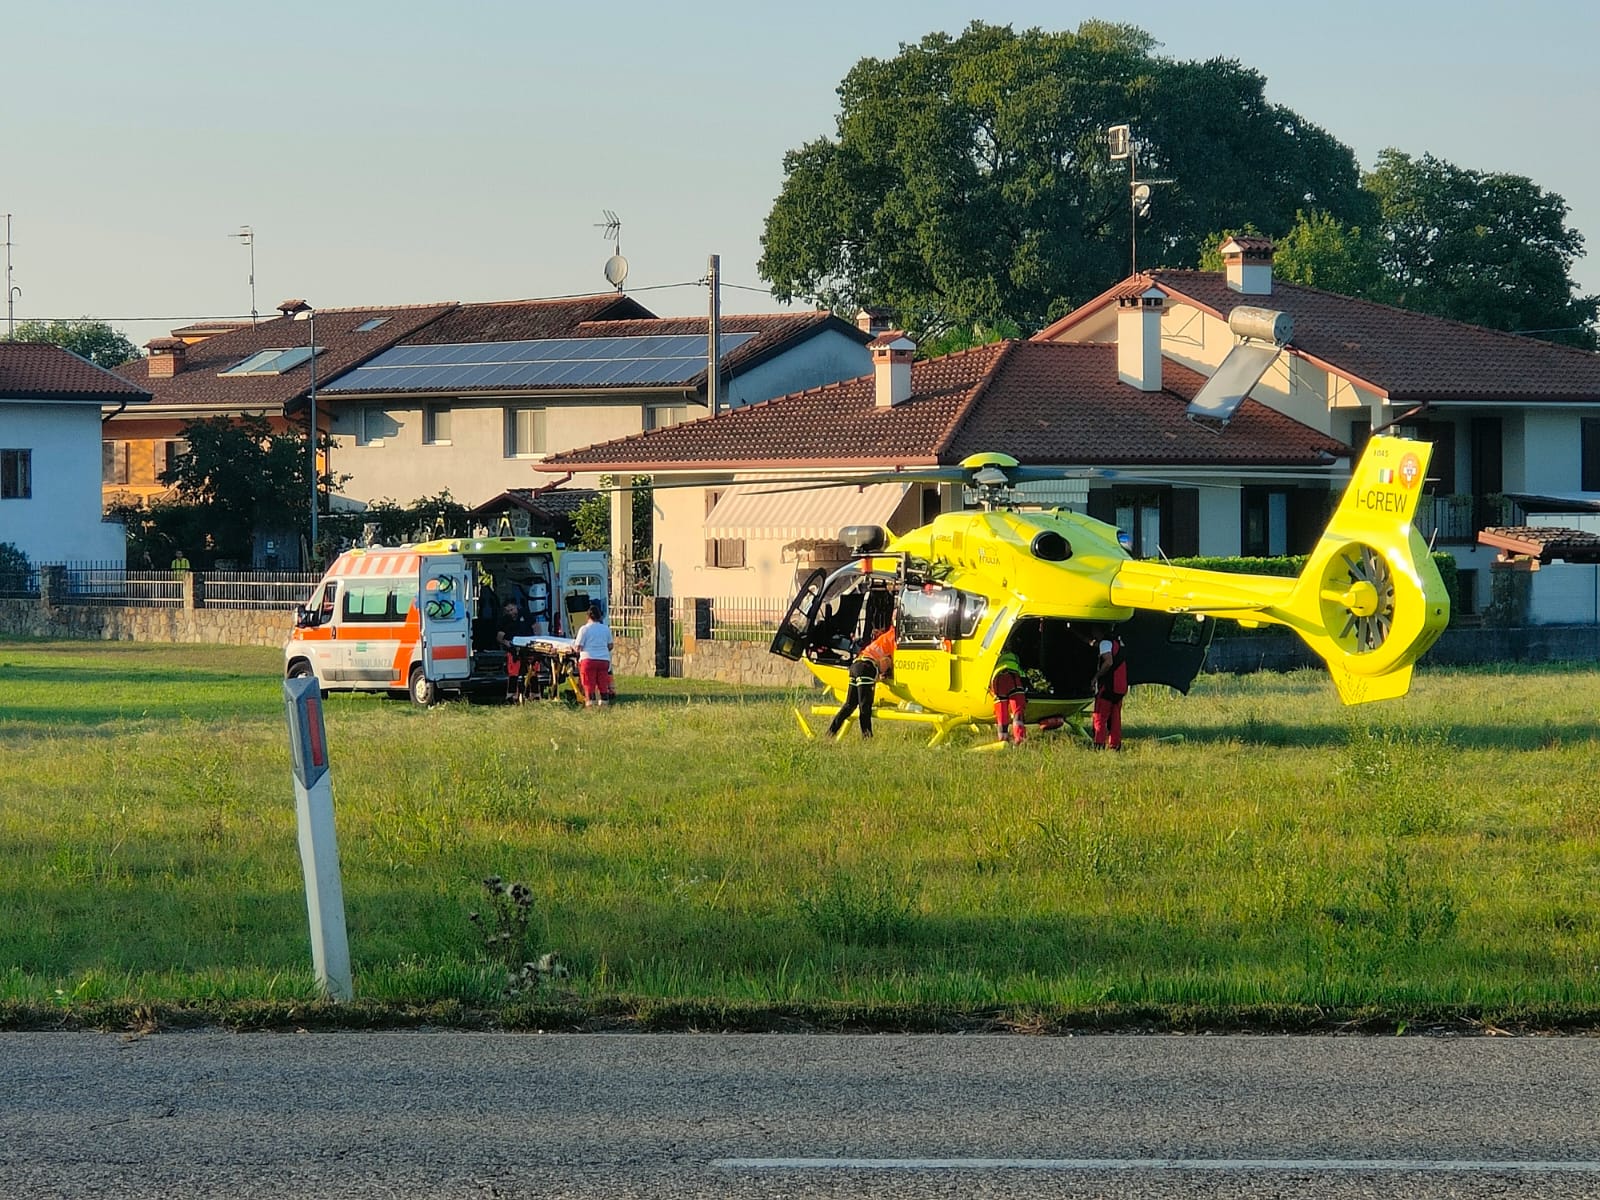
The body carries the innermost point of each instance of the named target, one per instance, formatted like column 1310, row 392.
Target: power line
column 655, row 287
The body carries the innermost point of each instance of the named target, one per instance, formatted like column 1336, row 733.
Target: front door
column 446, row 618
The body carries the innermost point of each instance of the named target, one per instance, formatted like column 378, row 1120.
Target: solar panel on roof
column 539, row 363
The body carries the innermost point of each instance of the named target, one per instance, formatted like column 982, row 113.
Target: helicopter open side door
column 790, row 640
column 1166, row 648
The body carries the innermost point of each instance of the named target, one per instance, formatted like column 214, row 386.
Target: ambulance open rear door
column 446, row 619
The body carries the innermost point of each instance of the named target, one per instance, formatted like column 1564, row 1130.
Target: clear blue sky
column 393, row 151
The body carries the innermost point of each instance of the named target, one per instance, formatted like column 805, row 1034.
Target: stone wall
column 730, row 662
column 190, row 620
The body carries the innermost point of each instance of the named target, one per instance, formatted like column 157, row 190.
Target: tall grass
column 1259, row 854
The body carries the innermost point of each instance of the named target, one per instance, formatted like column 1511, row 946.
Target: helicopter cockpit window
column 972, row 609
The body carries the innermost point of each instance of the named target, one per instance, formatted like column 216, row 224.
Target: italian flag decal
column 1385, row 475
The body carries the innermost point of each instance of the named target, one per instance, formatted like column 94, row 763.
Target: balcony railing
column 1456, row 519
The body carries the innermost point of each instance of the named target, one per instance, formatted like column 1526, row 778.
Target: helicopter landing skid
column 941, row 724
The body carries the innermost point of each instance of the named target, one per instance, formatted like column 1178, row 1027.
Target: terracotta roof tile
column 200, row 385
column 1040, row 402
column 527, row 320
column 1407, row 356
column 1067, row 405
column 36, row 371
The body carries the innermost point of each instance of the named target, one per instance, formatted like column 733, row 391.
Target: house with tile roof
column 230, row 369
column 1510, row 418
column 50, row 454
column 728, row 526
column 419, row 399
column 472, row 401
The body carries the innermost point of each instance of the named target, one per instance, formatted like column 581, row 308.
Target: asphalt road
column 499, row 1115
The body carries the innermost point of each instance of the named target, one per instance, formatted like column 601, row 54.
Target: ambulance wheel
column 301, row 669
column 423, row 690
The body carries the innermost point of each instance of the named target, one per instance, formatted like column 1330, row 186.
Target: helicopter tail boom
column 1369, row 601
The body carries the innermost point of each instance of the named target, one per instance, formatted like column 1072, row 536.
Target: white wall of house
column 825, row 358
column 1551, row 452
column 61, row 520
column 772, row 566
column 1220, row 523
column 473, row 464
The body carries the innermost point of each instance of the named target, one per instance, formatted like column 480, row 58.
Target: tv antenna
column 247, row 235
column 1124, row 145
column 616, row 265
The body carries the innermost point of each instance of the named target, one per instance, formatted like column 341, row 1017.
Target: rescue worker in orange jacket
column 875, row 662
column 1010, row 692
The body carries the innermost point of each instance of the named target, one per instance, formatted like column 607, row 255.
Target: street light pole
column 312, row 320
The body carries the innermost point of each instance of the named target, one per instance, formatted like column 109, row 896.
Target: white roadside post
column 319, row 850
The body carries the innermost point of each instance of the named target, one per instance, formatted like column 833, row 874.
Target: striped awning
column 772, row 510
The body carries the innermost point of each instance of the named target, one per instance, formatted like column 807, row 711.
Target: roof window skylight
column 273, row 362
column 370, row 324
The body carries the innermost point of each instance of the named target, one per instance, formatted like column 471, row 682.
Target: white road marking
column 1385, row 1165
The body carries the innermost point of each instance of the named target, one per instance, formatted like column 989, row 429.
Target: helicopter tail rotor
column 1370, row 600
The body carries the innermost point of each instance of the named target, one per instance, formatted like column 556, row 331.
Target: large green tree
column 1321, row 252
column 243, row 476
column 97, row 341
column 969, row 181
column 1487, row 248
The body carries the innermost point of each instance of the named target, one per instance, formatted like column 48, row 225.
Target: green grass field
column 1260, row 857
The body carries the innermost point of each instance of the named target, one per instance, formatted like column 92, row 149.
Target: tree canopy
column 243, row 476
column 97, row 341
column 1487, row 248
column 969, row 181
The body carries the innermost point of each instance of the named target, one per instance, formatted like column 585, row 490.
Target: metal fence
column 626, row 617
column 102, row 584
column 745, row 619
column 724, row 619
column 268, row 590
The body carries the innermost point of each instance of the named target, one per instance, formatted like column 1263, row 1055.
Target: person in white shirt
column 594, row 660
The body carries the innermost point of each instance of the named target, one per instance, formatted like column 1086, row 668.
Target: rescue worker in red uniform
column 875, row 662
column 1009, row 689
column 1110, row 686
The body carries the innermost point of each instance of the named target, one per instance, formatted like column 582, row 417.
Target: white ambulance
column 423, row 617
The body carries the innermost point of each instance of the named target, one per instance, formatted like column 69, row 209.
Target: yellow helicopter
column 972, row 586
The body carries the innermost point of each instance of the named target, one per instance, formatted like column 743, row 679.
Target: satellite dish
column 616, row 270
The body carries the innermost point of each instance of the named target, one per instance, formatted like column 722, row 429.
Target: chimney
column 1247, row 261
column 891, row 367
column 166, row 356
column 874, row 320
column 1139, row 339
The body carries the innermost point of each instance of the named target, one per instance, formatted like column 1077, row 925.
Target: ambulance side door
column 446, row 618
column 318, row 638
column 583, row 582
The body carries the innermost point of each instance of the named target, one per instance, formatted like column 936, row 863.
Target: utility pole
column 247, row 235
column 11, row 291
column 312, row 318
column 714, row 339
